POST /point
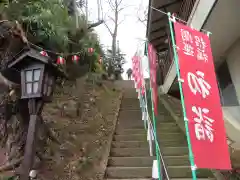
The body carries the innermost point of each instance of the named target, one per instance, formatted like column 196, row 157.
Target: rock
column 33, row 174
column 86, row 105
column 92, row 100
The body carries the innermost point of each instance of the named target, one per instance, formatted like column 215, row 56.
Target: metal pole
column 154, row 125
column 191, row 158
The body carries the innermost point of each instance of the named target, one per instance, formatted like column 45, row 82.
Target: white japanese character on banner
column 201, row 48
column 197, row 83
column 204, row 124
column 187, row 42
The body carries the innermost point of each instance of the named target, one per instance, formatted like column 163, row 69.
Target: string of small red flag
column 75, row 58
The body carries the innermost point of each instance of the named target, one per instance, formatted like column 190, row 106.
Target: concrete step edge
column 191, row 179
column 171, row 179
column 122, row 167
column 131, row 179
column 137, row 134
column 166, row 143
column 143, row 134
column 148, row 157
column 148, row 148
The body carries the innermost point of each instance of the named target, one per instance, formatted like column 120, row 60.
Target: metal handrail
column 145, row 106
column 162, row 160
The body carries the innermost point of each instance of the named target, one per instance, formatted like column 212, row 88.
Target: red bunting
column 60, row 60
column 75, row 58
column 90, row 51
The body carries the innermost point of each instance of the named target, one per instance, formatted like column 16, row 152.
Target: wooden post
column 35, row 108
column 29, row 152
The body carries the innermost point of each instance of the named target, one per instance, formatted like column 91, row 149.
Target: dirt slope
column 84, row 139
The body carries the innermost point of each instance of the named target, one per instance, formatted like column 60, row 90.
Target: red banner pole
column 191, row 158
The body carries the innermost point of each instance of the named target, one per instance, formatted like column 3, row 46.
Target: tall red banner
column 203, row 107
column 138, row 73
column 152, row 56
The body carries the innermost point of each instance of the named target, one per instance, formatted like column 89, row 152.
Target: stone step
column 131, row 152
column 185, row 172
column 132, row 137
column 130, row 144
column 130, row 131
column 143, row 137
column 172, row 143
column 129, row 104
column 171, row 179
column 176, row 160
column 133, row 179
column 147, row 161
column 136, row 116
column 136, row 144
column 174, row 151
column 131, row 161
column 138, row 124
column 128, row 125
column 129, row 172
column 191, row 178
column 146, row 172
column 133, row 103
column 162, row 129
column 132, row 111
column 128, row 118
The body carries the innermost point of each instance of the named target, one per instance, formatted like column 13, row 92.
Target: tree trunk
column 114, row 36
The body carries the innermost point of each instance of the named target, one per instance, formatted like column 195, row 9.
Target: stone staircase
column 174, row 149
column 129, row 155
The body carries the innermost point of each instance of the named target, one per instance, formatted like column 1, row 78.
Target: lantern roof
column 29, row 56
column 32, row 56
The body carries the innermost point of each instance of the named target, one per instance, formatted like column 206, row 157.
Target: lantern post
column 37, row 79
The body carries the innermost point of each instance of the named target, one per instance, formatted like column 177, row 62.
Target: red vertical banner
column 152, row 56
column 202, row 101
column 134, row 68
column 137, row 73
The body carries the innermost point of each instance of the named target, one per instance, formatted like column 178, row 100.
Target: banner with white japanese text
column 152, row 56
column 138, row 73
column 201, row 98
column 134, row 59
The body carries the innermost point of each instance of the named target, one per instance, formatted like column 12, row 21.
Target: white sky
column 131, row 33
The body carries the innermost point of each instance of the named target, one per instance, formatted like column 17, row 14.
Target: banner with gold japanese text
column 201, row 98
column 152, row 56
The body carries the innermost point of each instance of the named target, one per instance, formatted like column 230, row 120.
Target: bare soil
column 85, row 139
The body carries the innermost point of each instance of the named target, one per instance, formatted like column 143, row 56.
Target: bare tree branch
column 124, row 7
column 112, row 6
column 111, row 18
column 118, row 3
column 124, row 18
column 109, row 30
column 93, row 25
column 140, row 18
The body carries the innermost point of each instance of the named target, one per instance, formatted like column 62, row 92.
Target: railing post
column 191, row 158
